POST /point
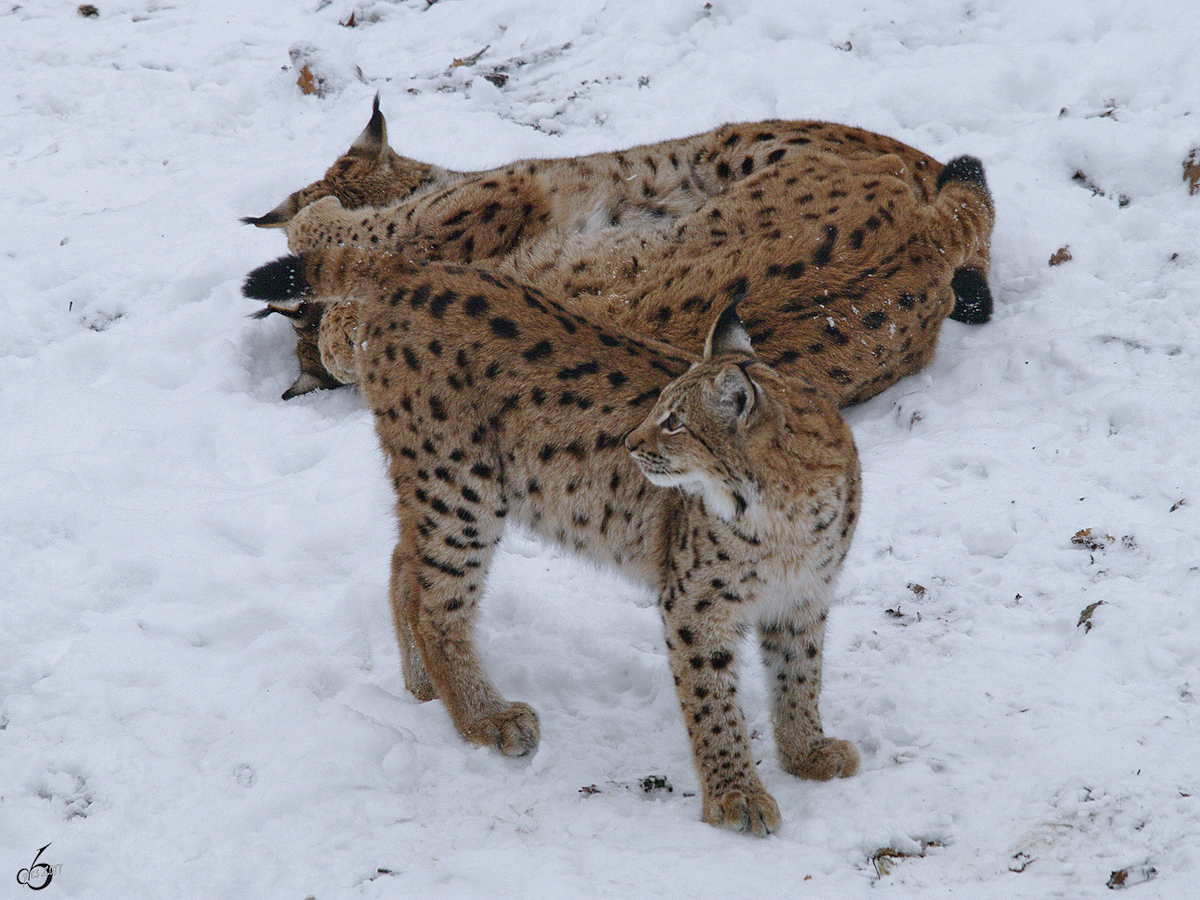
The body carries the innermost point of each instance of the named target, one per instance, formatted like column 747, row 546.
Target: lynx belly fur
column 849, row 248
column 728, row 489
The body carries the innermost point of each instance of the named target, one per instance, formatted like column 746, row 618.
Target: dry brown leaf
column 1090, row 540
column 1191, row 171
column 469, row 60
column 883, row 858
column 306, row 82
column 1085, row 617
column 1062, row 255
column 1123, row 878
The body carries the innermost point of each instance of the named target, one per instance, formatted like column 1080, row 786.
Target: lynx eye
column 671, row 424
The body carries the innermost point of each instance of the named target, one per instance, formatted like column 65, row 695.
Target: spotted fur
column 848, row 247
column 728, row 489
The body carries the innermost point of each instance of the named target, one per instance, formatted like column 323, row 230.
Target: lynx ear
column 734, row 395
column 276, row 218
column 373, row 140
column 291, row 310
column 728, row 334
column 305, row 384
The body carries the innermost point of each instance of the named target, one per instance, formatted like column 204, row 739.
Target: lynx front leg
column 441, row 617
column 403, row 593
column 703, row 662
column 461, row 223
column 791, row 649
column 326, row 223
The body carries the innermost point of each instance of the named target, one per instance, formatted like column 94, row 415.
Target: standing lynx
column 729, row 490
column 850, row 248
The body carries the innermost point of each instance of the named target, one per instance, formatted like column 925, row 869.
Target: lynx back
column 851, row 248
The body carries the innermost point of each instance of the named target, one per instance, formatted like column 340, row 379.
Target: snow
column 200, row 693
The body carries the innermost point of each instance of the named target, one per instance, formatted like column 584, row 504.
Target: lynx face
column 370, row 173
column 694, row 439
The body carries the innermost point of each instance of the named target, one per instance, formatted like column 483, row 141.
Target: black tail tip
column 282, row 279
column 972, row 297
column 967, row 169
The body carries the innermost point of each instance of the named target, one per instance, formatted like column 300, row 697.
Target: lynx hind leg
column 703, row 657
column 791, row 649
column 448, row 549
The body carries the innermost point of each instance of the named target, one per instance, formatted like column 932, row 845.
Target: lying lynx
column 728, row 489
column 849, row 247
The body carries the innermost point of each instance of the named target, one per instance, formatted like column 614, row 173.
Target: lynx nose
column 631, row 442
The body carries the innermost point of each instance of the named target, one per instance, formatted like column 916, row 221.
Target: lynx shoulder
column 729, row 490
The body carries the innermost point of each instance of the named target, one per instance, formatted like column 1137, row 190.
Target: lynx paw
column 826, row 759
column 513, row 731
column 420, row 686
column 306, row 229
column 416, row 676
column 755, row 812
column 326, row 205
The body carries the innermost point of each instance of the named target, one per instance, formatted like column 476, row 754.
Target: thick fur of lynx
column 850, row 248
column 727, row 488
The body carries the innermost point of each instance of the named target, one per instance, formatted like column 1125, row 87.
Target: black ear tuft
column 270, row 219
column 728, row 334
column 376, row 125
column 282, row 279
column 967, row 169
column 972, row 297
column 297, row 313
column 373, row 140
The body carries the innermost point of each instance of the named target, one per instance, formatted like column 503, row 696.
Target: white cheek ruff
column 661, row 479
column 718, row 500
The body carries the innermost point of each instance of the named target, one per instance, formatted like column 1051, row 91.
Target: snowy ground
column 199, row 690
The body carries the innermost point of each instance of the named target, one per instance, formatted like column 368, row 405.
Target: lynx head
column 698, row 434
column 306, row 316
column 370, row 173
